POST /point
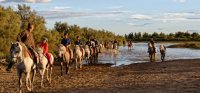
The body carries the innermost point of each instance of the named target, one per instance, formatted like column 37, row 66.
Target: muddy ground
column 178, row 76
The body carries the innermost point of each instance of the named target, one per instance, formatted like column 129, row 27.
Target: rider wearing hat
column 67, row 43
column 44, row 46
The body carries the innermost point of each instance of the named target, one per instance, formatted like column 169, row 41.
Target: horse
column 44, row 65
column 151, row 51
column 130, row 45
column 100, row 48
column 162, row 52
column 94, row 54
column 20, row 54
column 87, row 54
column 64, row 57
column 78, row 56
column 115, row 46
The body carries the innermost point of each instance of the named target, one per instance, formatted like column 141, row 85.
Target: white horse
column 44, row 65
column 64, row 57
column 162, row 52
column 20, row 54
column 87, row 54
column 78, row 56
column 152, row 52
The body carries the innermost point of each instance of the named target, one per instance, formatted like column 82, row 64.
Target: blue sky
column 119, row 16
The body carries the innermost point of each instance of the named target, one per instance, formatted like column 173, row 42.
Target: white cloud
column 116, row 7
column 138, row 25
column 2, row 0
column 181, row 1
column 178, row 17
column 28, row 1
column 141, row 17
column 61, row 8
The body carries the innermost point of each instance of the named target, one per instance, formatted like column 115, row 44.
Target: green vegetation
column 13, row 22
column 186, row 45
column 178, row 36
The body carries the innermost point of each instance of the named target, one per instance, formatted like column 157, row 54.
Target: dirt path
column 181, row 76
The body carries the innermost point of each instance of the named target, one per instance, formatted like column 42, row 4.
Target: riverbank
column 193, row 45
column 177, row 76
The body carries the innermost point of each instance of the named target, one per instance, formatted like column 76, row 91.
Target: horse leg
column 51, row 67
column 67, row 67
column 42, row 76
column 76, row 63
column 32, row 78
column 20, row 81
column 80, row 63
column 27, row 81
column 61, row 65
column 47, row 69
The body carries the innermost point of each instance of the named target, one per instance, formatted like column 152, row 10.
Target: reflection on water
column 139, row 54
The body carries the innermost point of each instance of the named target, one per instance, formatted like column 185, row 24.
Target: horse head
column 61, row 50
column 15, row 51
column 40, row 53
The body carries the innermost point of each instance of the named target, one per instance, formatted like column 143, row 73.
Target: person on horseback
column 88, row 43
column 78, row 42
column 26, row 37
column 115, row 43
column 67, row 43
column 44, row 45
column 152, row 44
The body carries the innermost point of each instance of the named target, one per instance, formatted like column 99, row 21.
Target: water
column 139, row 54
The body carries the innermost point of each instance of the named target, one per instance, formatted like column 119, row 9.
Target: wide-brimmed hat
column 44, row 38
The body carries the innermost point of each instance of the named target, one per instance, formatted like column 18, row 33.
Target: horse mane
column 25, row 51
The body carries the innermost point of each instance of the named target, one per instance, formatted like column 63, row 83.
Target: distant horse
column 151, row 51
column 115, row 46
column 64, row 57
column 94, row 54
column 78, row 56
column 130, row 45
column 20, row 54
column 87, row 54
column 44, row 65
column 162, row 52
column 100, row 48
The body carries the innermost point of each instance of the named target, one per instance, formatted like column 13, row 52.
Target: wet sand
column 177, row 76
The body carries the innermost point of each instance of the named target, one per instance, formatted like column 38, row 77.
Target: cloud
column 27, row 1
column 116, row 7
column 141, row 17
column 61, row 8
column 181, row 1
column 178, row 17
column 138, row 25
column 60, row 12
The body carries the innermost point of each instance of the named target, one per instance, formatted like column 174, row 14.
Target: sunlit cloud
column 181, row 1
column 141, row 17
column 27, row 1
column 138, row 25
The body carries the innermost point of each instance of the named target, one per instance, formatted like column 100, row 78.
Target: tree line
column 177, row 36
column 14, row 22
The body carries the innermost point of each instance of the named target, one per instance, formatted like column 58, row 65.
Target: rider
column 27, row 38
column 152, row 43
column 44, row 46
column 67, row 43
column 78, row 42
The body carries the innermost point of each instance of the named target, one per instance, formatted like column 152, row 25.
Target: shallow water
column 138, row 54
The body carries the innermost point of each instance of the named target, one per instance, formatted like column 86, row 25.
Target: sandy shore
column 178, row 76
